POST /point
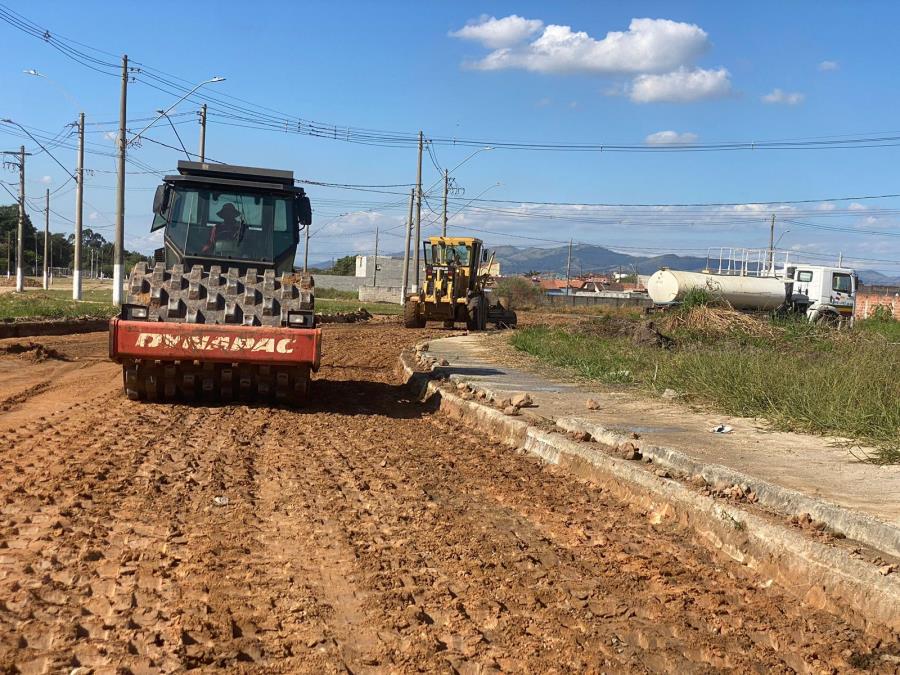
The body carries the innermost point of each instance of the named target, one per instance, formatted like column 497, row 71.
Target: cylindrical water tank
column 763, row 293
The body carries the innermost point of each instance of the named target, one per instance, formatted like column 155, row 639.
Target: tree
column 63, row 246
column 345, row 266
column 9, row 223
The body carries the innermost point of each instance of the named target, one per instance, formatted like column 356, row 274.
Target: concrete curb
column 823, row 576
column 785, row 501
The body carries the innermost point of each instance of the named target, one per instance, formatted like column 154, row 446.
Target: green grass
column 328, row 306
column 842, row 383
column 58, row 304
column 39, row 304
column 334, row 294
column 88, row 295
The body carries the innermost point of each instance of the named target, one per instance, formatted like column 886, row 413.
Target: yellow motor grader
column 457, row 269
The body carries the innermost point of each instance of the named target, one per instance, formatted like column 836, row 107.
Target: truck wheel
column 411, row 316
column 826, row 318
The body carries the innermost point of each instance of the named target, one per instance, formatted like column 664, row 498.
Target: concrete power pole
column 20, row 238
column 79, row 211
column 203, row 143
column 375, row 266
column 418, row 214
column 119, row 247
column 47, row 240
column 772, row 244
column 569, row 272
column 446, row 188
column 409, row 224
column 305, row 251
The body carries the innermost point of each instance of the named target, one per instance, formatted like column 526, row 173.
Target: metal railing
column 746, row 262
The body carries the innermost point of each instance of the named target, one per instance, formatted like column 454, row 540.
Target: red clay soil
column 365, row 532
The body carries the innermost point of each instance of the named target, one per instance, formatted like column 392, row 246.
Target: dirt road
column 363, row 533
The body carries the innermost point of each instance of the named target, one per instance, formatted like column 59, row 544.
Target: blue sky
column 504, row 71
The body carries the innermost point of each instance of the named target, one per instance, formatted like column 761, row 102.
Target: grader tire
column 411, row 316
column 477, row 314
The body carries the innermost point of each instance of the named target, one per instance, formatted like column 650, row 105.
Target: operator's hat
column 228, row 210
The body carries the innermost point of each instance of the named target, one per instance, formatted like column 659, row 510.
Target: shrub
column 521, row 292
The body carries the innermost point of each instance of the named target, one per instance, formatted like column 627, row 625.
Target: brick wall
column 867, row 302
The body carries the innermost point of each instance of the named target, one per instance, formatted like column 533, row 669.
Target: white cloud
column 573, row 105
column 826, row 206
column 110, row 135
column 783, row 97
column 648, row 46
column 670, row 138
column 826, row 66
column 680, row 86
column 94, row 215
column 497, row 33
column 46, row 180
column 856, row 206
column 543, row 102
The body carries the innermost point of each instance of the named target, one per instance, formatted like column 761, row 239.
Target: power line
column 244, row 113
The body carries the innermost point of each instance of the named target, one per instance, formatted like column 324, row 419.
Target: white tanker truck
column 823, row 293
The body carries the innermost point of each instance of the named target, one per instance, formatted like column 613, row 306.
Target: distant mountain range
column 590, row 258
column 587, row 258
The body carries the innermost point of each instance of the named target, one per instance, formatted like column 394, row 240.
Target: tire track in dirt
column 364, row 533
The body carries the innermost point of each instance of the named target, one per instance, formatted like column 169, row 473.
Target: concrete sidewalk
column 794, row 473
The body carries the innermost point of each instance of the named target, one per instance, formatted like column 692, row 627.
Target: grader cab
column 457, row 270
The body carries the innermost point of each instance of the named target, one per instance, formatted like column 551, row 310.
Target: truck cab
column 827, row 293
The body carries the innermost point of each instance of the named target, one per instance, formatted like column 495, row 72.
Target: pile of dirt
column 11, row 281
column 646, row 334
column 641, row 333
column 32, row 351
column 361, row 314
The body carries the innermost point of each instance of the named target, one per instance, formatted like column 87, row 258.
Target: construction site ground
column 366, row 532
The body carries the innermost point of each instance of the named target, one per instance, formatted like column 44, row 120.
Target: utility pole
column 119, row 247
column 841, row 259
column 79, row 210
column 375, row 267
column 446, row 188
column 203, row 143
column 8, row 253
column 418, row 214
column 409, row 224
column 305, row 249
column 772, row 244
column 569, row 271
column 47, row 240
column 20, row 238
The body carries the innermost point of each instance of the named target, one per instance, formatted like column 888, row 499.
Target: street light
column 165, row 112
column 486, row 148
column 479, row 150
column 62, row 89
column 779, row 238
column 172, row 124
